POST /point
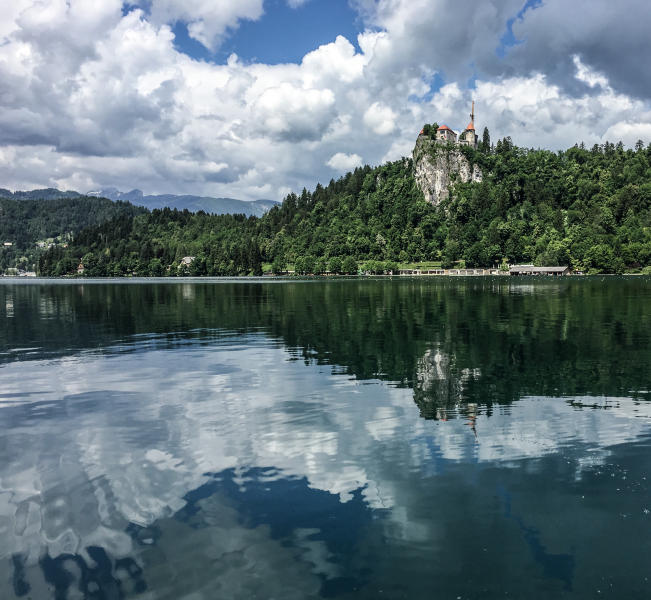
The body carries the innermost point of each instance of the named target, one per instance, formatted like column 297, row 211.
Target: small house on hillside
column 531, row 270
column 80, row 269
column 187, row 261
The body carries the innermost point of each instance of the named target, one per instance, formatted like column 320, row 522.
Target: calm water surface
column 421, row 438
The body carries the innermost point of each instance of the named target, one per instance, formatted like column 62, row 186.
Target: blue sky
column 285, row 34
column 508, row 40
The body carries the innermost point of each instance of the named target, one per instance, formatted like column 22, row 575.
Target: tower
column 469, row 136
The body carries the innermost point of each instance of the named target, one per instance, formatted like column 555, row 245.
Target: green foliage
column 335, row 265
column 430, row 130
column 299, row 266
column 309, row 263
column 485, row 144
column 31, row 226
column 155, row 268
column 304, row 265
column 349, row 266
column 373, row 267
column 589, row 209
column 279, row 265
column 391, row 267
column 155, row 243
column 379, row 267
column 320, row 266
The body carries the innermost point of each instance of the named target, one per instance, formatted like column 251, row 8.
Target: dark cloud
column 609, row 37
column 465, row 39
column 448, row 36
column 227, row 175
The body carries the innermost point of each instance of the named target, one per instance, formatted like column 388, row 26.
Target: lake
column 351, row 438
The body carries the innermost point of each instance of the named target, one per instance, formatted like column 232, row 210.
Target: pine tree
column 486, row 141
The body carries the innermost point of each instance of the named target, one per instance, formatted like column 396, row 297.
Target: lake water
column 413, row 438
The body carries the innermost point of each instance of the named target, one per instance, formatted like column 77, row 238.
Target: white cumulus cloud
column 291, row 113
column 380, row 118
column 344, row 162
column 207, row 20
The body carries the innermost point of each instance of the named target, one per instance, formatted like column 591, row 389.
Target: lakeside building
column 515, row 270
column 531, row 270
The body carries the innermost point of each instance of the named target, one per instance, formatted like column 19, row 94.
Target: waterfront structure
column 531, row 270
column 451, row 272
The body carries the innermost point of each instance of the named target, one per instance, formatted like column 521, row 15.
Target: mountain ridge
column 209, row 204
column 136, row 197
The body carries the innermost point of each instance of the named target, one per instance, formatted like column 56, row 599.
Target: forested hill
column 590, row 209
column 27, row 226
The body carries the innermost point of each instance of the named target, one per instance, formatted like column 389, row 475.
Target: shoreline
column 296, row 278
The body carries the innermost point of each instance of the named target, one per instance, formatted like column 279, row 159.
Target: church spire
column 471, row 125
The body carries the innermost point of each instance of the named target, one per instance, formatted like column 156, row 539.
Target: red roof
column 444, row 127
column 422, row 131
column 471, row 126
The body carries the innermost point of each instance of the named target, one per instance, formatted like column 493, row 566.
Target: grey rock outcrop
column 438, row 166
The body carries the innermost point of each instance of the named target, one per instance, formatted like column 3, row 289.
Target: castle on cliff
column 467, row 138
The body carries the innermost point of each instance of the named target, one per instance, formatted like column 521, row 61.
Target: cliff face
column 437, row 167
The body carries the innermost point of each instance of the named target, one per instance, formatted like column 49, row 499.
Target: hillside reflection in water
column 418, row 438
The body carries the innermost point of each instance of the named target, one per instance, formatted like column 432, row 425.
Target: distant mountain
column 134, row 196
column 218, row 206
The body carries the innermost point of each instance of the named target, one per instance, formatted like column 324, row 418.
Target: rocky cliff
column 438, row 166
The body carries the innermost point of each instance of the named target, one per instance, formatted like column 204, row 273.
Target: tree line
column 586, row 208
column 28, row 225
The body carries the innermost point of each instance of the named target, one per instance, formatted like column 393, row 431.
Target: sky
column 256, row 98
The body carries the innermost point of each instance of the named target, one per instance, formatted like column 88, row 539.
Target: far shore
column 293, row 277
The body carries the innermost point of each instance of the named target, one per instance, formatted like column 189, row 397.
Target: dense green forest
column 590, row 209
column 31, row 225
